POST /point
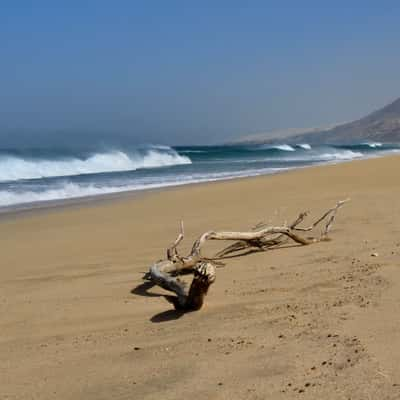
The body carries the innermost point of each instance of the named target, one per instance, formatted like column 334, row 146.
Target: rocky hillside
column 382, row 125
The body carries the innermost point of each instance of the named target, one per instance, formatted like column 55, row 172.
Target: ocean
column 30, row 177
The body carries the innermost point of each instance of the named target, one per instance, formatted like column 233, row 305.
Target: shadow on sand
column 143, row 290
column 165, row 316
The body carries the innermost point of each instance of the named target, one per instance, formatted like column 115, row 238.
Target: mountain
column 277, row 135
column 382, row 125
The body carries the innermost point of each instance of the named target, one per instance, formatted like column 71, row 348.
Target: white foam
column 69, row 190
column 374, row 145
column 304, row 146
column 284, row 147
column 339, row 155
column 14, row 168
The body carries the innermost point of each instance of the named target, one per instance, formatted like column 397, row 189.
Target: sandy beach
column 315, row 322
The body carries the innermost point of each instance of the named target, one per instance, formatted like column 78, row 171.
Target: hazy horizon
column 179, row 74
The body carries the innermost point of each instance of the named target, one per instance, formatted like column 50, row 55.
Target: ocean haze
column 173, row 73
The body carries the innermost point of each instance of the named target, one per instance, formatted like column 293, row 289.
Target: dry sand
column 315, row 322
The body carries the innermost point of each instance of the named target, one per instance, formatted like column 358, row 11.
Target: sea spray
column 14, row 168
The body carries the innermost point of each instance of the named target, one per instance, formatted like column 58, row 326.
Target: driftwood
column 165, row 273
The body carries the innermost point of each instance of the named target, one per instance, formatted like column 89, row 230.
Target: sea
column 41, row 176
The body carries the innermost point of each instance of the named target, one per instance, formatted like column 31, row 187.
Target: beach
column 316, row 322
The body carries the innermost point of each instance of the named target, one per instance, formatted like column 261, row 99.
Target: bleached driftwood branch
column 165, row 273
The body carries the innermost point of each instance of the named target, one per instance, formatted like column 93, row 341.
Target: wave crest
column 340, row 155
column 283, row 147
column 13, row 168
column 373, row 145
column 304, row 146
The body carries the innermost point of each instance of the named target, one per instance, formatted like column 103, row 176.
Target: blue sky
column 182, row 72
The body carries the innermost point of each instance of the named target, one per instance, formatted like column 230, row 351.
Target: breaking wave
column 373, row 145
column 340, row 155
column 13, row 168
column 283, row 147
column 304, row 146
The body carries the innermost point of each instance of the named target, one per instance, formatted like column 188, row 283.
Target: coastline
column 20, row 210
column 275, row 324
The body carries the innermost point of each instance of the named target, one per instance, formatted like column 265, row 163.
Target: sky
column 186, row 72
